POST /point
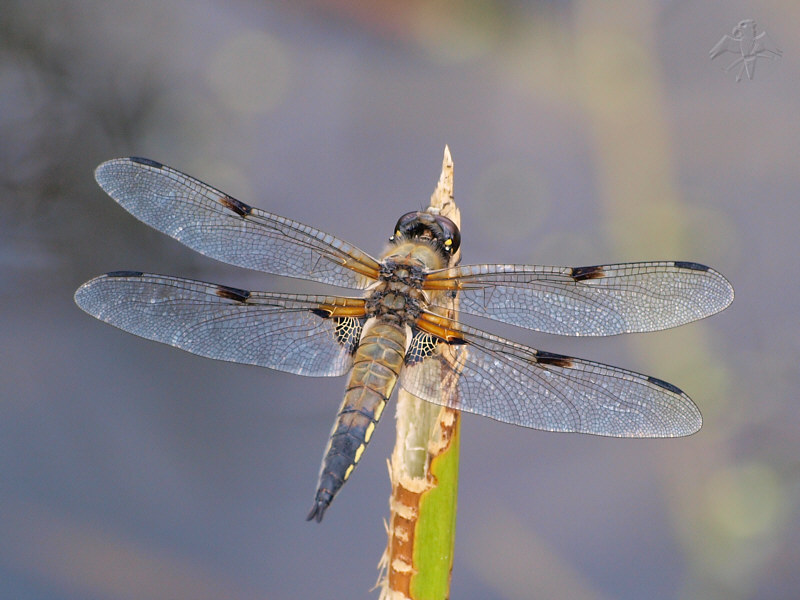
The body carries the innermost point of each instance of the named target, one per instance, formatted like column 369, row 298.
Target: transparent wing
column 226, row 229
column 517, row 384
column 280, row 331
column 591, row 301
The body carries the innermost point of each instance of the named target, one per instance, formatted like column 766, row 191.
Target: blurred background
column 582, row 132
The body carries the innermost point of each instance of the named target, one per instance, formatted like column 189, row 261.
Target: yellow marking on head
column 349, row 470
column 360, row 451
column 448, row 242
column 368, row 432
column 379, row 410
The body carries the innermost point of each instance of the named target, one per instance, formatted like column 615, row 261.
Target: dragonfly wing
column 217, row 225
column 516, row 384
column 286, row 332
column 588, row 301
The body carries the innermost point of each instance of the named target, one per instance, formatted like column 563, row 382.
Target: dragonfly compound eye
column 422, row 225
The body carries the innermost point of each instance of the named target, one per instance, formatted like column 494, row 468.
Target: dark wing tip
column 666, row 385
column 146, row 161
column 124, row 274
column 317, row 511
column 682, row 264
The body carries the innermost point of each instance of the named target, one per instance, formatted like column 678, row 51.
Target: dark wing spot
column 146, row 161
column 665, row 385
column 321, row 313
column 240, row 208
column 690, row 265
column 231, row 293
column 550, row 358
column 583, row 273
column 124, row 274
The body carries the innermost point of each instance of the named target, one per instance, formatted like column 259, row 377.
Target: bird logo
column 749, row 46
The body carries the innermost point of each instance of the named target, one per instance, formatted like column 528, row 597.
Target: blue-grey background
column 582, row 132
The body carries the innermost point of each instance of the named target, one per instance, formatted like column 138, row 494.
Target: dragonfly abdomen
column 376, row 367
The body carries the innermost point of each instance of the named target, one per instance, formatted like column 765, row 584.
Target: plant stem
column 423, row 470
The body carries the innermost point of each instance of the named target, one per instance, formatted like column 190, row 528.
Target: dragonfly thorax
column 402, row 306
column 398, row 295
column 405, row 270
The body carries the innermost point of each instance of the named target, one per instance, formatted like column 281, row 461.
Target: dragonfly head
column 439, row 231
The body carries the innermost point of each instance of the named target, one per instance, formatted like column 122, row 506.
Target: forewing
column 286, row 332
column 517, row 384
column 226, row 229
column 588, row 301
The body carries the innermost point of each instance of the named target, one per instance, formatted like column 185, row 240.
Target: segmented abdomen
column 376, row 367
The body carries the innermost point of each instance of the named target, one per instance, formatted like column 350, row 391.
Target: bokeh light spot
column 745, row 500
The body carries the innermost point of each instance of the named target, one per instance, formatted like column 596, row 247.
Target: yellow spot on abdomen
column 368, row 432
column 349, row 470
column 379, row 410
column 359, row 452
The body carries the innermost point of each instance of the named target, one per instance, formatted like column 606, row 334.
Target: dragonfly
column 397, row 328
